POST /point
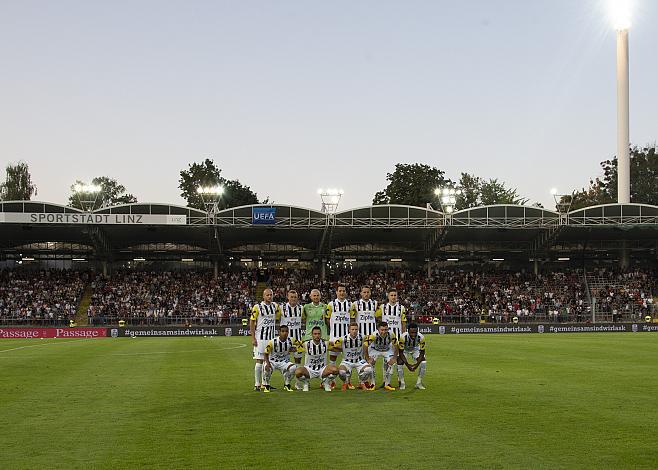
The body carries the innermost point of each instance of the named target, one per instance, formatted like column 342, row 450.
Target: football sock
column 267, row 375
column 421, row 369
column 387, row 374
column 258, row 373
column 400, row 373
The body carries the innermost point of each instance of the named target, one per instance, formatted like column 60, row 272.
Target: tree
column 477, row 191
column 603, row 190
column 111, row 194
column 18, row 185
column 412, row 185
column 207, row 173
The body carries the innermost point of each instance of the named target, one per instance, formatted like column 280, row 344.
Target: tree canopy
column 603, row 189
column 207, row 173
column 111, row 194
column 414, row 185
column 18, row 185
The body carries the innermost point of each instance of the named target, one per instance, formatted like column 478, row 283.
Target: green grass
column 578, row 400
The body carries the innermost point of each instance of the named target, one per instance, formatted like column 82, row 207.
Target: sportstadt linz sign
column 95, row 219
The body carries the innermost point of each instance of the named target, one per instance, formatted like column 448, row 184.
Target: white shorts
column 260, row 349
column 282, row 366
column 375, row 354
column 354, row 365
column 414, row 354
column 315, row 373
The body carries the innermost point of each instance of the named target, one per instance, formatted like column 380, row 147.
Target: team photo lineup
column 360, row 332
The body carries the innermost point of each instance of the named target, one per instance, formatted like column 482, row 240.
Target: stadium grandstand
column 157, row 264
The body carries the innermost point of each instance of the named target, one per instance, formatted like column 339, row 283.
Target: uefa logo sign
column 228, row 331
column 114, row 333
column 442, row 330
column 540, row 328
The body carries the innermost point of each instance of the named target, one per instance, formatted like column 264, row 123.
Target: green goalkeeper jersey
column 314, row 314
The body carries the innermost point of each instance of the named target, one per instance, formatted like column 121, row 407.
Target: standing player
column 412, row 343
column 262, row 329
column 315, row 361
column 291, row 316
column 313, row 314
column 364, row 310
column 277, row 357
column 338, row 318
column 352, row 347
column 382, row 344
column 393, row 313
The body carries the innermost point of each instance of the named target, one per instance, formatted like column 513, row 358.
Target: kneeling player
column 315, row 362
column 352, row 347
column 277, row 357
column 412, row 344
column 382, row 344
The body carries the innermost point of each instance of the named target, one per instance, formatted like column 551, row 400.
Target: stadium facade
column 268, row 235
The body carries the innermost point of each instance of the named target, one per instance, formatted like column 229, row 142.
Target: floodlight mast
column 448, row 199
column 330, row 199
column 87, row 195
column 620, row 14
column 562, row 201
column 211, row 195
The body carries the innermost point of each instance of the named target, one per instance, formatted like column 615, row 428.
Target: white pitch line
column 43, row 344
column 178, row 352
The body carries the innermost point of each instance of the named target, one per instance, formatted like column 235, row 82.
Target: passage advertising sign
column 263, row 215
column 91, row 219
column 22, row 333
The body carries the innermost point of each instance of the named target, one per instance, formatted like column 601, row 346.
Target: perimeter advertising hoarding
column 142, row 331
column 227, row 330
column 63, row 332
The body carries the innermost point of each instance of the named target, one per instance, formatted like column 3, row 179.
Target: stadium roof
column 165, row 231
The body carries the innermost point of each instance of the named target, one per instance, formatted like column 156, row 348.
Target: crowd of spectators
column 623, row 295
column 193, row 297
column 48, row 297
column 456, row 295
column 153, row 298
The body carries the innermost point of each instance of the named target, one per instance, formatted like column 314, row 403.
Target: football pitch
column 540, row 401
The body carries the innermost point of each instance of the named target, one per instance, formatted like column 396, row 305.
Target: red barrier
column 53, row 333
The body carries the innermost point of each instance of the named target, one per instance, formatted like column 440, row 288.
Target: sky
column 289, row 96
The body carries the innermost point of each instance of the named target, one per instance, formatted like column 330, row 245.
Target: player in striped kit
column 352, row 347
column 382, row 344
column 315, row 361
column 412, row 344
column 393, row 313
column 277, row 357
column 364, row 310
column 262, row 329
column 338, row 318
column 291, row 316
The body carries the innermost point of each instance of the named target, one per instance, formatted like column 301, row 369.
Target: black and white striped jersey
column 365, row 315
column 338, row 313
column 292, row 317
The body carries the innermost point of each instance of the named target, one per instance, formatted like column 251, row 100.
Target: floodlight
column 620, row 13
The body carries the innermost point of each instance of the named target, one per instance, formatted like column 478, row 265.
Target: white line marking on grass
column 42, row 344
column 178, row 352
